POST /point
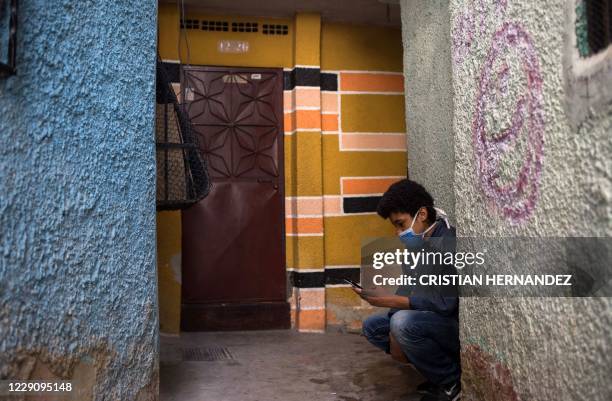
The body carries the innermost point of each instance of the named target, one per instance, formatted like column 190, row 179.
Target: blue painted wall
column 78, row 294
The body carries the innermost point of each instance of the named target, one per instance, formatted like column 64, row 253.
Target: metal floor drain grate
column 207, row 354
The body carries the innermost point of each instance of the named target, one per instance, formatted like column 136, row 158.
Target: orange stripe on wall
column 289, row 122
column 308, row 119
column 302, row 119
column 304, row 225
column 369, row 185
column 311, row 319
column 329, row 122
column 354, row 81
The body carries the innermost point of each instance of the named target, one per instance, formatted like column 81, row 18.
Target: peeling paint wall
column 77, row 211
column 549, row 176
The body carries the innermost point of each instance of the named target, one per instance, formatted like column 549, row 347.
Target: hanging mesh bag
column 182, row 176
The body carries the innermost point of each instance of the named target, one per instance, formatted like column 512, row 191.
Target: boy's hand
column 374, row 296
column 357, row 290
column 378, row 297
column 370, row 292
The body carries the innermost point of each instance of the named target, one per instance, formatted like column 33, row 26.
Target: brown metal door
column 233, row 250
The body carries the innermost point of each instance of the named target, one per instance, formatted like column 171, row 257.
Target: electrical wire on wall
column 183, row 33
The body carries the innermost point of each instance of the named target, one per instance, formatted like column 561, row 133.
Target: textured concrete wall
column 508, row 73
column 77, row 211
column 429, row 98
column 552, row 178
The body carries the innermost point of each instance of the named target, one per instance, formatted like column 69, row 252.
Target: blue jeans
column 429, row 341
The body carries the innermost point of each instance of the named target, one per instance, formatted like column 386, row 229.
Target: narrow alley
column 289, row 200
column 280, row 365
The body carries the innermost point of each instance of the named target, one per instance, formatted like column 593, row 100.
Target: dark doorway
column 233, row 246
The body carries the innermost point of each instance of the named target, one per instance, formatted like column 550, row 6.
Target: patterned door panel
column 237, row 121
column 233, row 240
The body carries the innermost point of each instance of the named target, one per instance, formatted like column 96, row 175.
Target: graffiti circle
column 508, row 125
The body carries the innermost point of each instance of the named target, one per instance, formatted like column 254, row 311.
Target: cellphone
column 351, row 282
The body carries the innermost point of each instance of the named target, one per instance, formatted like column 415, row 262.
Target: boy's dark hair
column 406, row 196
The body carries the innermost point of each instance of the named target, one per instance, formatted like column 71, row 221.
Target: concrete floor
column 283, row 365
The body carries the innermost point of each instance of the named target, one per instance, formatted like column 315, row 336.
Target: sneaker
column 447, row 392
column 426, row 388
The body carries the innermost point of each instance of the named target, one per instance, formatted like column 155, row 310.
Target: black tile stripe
column 307, row 279
column 336, row 276
column 301, row 76
column 287, row 81
column 320, row 279
column 329, row 81
column 360, row 204
column 307, row 76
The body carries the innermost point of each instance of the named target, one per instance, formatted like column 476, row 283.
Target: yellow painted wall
column 353, row 48
column 264, row 50
column 307, row 43
column 373, row 113
column 357, row 164
column 358, row 47
column 168, row 270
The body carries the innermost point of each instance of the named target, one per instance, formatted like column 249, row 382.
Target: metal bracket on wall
column 8, row 22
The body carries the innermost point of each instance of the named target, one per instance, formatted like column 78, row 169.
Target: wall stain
column 485, row 378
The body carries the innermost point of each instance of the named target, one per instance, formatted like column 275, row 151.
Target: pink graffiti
column 472, row 23
column 516, row 199
column 463, row 36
